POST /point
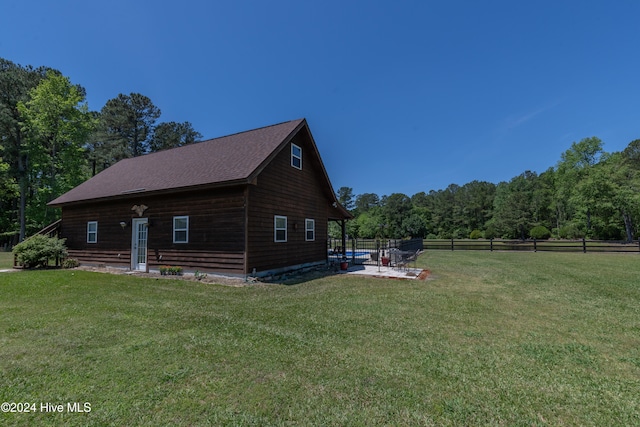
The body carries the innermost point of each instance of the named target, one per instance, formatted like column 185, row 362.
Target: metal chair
column 412, row 257
column 397, row 259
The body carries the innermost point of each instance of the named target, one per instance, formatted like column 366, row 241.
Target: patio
column 387, row 272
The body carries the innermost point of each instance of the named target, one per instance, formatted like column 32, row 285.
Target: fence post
column 535, row 246
column 452, row 243
column 584, row 246
column 491, row 244
column 353, row 251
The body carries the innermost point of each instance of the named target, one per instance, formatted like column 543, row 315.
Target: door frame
column 135, row 266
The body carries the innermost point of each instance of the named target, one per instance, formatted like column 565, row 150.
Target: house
column 251, row 203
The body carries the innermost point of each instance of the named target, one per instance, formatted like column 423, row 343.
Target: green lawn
column 6, row 260
column 493, row 339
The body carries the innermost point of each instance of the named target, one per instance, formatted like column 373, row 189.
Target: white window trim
column 276, row 229
column 307, row 222
column 186, row 229
column 94, row 232
column 293, row 156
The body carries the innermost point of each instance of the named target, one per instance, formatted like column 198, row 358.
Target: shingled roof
column 229, row 160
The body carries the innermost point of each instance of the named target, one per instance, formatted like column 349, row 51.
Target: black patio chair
column 412, row 257
column 397, row 259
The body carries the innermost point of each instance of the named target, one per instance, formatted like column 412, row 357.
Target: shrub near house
column 39, row 250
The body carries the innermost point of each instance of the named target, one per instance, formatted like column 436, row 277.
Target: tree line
column 50, row 141
column 589, row 193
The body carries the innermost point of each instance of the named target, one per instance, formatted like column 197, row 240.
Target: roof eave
column 232, row 183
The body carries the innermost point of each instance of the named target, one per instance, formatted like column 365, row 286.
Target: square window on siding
column 310, row 229
column 180, row 229
column 296, row 156
column 280, row 228
column 92, row 232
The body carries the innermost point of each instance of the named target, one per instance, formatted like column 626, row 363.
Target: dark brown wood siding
column 297, row 194
column 216, row 230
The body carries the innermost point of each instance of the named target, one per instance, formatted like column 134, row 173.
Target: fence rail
column 532, row 245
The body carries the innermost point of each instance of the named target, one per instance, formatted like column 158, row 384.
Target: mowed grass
column 491, row 339
column 6, row 260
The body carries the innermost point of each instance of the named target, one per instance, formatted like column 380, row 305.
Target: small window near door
column 180, row 229
column 296, row 156
column 92, row 232
column 310, row 229
column 280, row 228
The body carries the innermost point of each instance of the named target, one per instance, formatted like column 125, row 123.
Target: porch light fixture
column 123, row 224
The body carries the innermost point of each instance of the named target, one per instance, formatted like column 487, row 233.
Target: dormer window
column 296, row 156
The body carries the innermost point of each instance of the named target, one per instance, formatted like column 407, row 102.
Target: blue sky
column 401, row 96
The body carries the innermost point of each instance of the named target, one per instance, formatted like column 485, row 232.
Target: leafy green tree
column 513, row 206
column 574, row 166
column 127, row 125
column 395, row 208
column 9, row 191
column 631, row 154
column 416, row 224
column 628, row 177
column 345, row 197
column 365, row 202
column 543, row 201
column 16, row 82
column 611, row 192
column 99, row 151
column 8, row 186
column 420, row 199
column 474, row 202
column 584, row 154
column 441, row 204
column 171, row 135
column 371, row 224
column 56, row 124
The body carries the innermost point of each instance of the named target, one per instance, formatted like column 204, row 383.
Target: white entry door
column 140, row 235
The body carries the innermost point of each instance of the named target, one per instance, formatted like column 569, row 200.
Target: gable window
column 92, row 232
column 280, row 228
column 180, row 229
column 310, row 229
column 296, row 156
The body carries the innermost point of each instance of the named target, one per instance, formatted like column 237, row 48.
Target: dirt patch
column 424, row 274
column 209, row 278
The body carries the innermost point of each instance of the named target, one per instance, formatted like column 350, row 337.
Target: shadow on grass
column 304, row 276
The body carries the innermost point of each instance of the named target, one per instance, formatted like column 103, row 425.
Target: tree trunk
column 628, row 225
column 24, row 187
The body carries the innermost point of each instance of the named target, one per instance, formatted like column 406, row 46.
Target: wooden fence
column 532, row 245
